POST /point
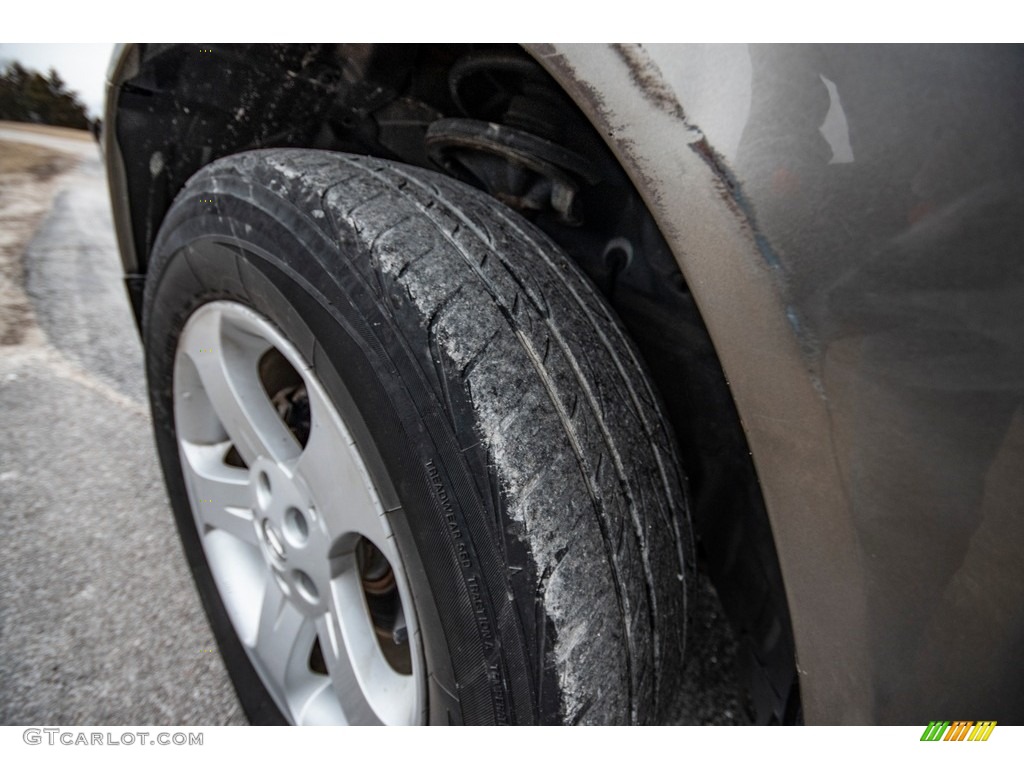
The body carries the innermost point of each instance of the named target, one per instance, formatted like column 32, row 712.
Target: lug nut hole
column 296, row 528
column 263, row 490
column 305, row 586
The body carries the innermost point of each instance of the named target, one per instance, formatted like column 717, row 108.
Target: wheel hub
column 294, row 542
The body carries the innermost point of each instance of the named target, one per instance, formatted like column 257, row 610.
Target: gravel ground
column 99, row 621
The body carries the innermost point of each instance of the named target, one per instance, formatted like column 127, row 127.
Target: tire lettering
column 480, row 612
column 494, row 678
column 442, row 496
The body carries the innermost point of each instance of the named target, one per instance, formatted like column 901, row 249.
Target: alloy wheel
column 292, row 526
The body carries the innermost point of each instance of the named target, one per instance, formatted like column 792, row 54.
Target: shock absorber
column 509, row 140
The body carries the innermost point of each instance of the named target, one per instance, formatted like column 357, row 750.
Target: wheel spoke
column 228, row 370
column 329, row 464
column 222, row 494
column 344, row 680
column 321, row 707
column 284, row 637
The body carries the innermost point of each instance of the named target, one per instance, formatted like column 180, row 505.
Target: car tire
column 447, row 397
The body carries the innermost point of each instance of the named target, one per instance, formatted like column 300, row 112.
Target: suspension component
column 510, row 141
column 523, row 171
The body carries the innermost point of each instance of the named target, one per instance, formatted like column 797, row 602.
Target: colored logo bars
column 959, row 730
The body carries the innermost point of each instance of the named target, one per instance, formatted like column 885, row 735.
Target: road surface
column 99, row 621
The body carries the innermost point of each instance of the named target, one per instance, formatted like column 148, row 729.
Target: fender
column 742, row 300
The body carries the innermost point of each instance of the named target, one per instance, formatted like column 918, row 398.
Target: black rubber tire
column 539, row 506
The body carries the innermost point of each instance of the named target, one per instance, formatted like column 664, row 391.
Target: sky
column 83, row 66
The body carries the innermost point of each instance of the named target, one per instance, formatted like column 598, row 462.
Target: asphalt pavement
column 99, row 621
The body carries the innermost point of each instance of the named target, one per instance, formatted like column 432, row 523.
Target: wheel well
column 490, row 116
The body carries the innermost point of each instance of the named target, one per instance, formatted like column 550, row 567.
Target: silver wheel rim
column 297, row 540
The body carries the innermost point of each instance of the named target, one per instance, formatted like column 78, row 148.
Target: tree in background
column 28, row 97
